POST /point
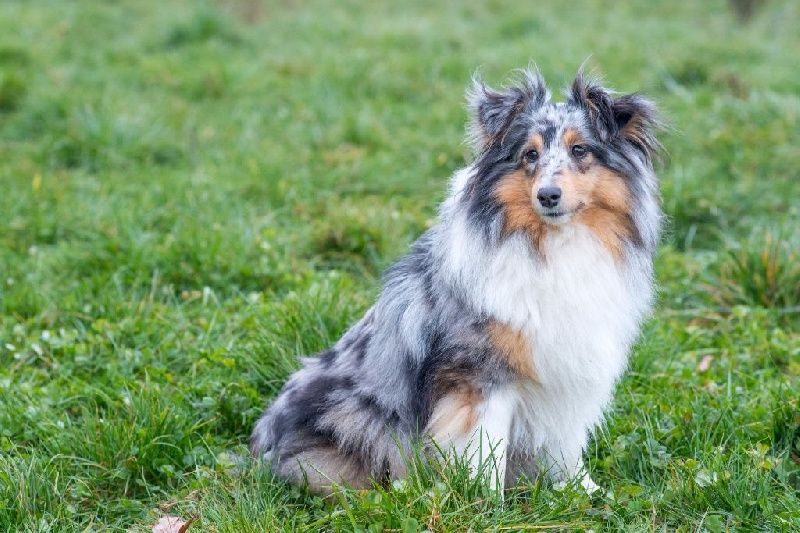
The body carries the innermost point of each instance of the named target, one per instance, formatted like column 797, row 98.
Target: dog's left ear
column 631, row 118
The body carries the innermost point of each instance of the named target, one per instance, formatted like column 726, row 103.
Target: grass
column 193, row 193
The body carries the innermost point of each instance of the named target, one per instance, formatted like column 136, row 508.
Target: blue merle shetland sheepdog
column 501, row 334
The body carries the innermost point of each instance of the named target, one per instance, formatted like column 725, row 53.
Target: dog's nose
column 549, row 196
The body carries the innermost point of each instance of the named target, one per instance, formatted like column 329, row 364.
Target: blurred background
column 192, row 193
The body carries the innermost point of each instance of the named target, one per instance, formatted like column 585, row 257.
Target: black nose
column 549, row 196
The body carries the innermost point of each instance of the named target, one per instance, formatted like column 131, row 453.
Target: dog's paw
column 587, row 484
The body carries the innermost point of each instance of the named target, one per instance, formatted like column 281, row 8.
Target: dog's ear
column 492, row 111
column 631, row 118
column 637, row 122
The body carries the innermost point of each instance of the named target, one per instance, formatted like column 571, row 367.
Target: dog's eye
column 531, row 156
column 579, row 151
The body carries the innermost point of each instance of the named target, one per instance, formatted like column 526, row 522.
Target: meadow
column 194, row 193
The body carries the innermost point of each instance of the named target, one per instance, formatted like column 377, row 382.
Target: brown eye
column 579, row 151
column 531, row 156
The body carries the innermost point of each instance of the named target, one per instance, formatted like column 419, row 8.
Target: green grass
column 193, row 193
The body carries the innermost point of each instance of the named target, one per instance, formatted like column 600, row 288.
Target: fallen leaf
column 705, row 363
column 172, row 524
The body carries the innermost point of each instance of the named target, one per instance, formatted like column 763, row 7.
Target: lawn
column 194, row 193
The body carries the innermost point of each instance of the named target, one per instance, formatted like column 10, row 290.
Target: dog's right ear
column 492, row 111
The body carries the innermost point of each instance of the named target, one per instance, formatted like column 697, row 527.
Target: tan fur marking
column 571, row 137
column 607, row 200
column 513, row 347
column 455, row 414
column 515, row 192
column 636, row 130
column 537, row 142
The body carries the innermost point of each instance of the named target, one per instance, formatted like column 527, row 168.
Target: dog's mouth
column 560, row 215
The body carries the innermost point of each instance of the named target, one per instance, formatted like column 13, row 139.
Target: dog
column 501, row 334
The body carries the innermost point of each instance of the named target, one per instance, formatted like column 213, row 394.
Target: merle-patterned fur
column 370, row 396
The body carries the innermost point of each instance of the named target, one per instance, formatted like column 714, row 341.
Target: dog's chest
column 578, row 308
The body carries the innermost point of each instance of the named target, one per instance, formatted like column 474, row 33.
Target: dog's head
column 541, row 165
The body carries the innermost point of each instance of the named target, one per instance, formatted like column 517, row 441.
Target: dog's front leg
column 562, row 477
column 478, row 432
column 566, row 464
column 489, row 443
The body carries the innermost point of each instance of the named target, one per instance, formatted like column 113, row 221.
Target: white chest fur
column 580, row 309
column 578, row 306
